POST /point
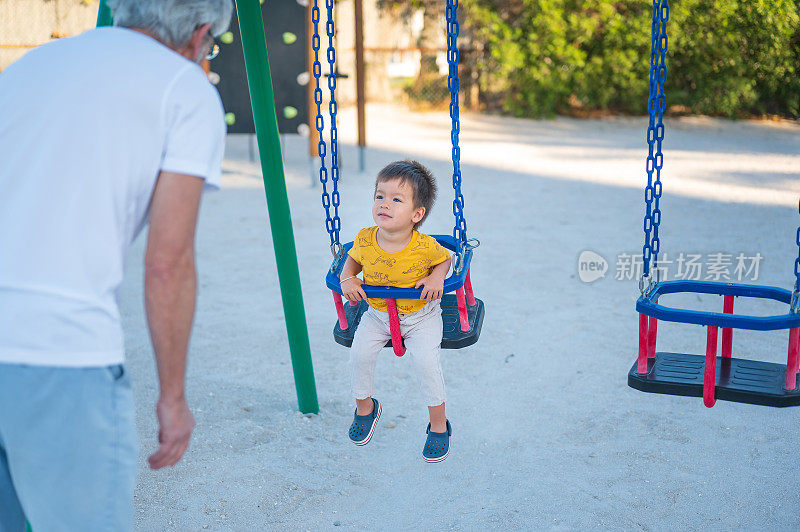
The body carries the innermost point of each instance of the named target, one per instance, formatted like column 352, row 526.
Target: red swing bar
column 727, row 332
column 792, row 363
column 641, row 368
column 337, row 300
column 651, row 336
column 710, row 375
column 468, row 287
column 394, row 328
column 648, row 327
column 465, row 296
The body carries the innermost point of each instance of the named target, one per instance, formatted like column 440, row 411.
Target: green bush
column 726, row 57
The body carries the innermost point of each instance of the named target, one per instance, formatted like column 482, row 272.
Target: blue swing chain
column 460, row 227
column 320, row 122
column 332, row 222
column 795, row 304
column 655, row 135
column 332, row 109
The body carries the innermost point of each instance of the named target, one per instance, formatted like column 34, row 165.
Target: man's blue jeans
column 68, row 448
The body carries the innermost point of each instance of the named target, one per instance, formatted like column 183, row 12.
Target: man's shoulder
column 190, row 82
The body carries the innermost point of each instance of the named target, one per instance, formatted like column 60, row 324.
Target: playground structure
column 462, row 314
column 712, row 377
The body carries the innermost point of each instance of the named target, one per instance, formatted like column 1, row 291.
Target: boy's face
column 393, row 209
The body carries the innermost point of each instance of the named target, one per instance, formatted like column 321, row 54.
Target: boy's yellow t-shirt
column 401, row 269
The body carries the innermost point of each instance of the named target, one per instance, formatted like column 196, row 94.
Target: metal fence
column 392, row 63
column 25, row 24
column 404, row 54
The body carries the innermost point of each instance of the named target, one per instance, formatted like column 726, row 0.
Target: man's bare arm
column 170, row 292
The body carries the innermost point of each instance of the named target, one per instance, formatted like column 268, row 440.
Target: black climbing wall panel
column 285, row 28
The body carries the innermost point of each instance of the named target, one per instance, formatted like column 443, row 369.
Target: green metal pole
column 104, row 15
column 259, row 81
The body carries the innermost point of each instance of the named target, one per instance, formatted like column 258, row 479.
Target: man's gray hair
column 172, row 21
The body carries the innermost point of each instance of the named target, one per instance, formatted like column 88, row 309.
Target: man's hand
column 352, row 291
column 175, row 423
column 433, row 286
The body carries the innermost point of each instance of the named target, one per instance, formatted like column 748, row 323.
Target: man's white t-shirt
column 86, row 125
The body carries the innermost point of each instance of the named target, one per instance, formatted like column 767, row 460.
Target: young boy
column 394, row 253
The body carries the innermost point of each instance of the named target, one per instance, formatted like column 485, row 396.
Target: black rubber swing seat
column 452, row 338
column 739, row 380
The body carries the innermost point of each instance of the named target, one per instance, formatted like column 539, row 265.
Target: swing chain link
column 655, row 137
column 337, row 250
column 460, row 227
column 648, row 284
column 461, row 254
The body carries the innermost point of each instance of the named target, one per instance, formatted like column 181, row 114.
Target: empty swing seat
column 711, row 376
column 457, row 332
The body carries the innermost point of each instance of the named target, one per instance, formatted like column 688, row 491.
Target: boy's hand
column 352, row 291
column 433, row 286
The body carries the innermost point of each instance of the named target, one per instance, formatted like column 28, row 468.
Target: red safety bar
column 727, row 333
column 710, row 376
column 468, row 289
column 652, row 327
column 394, row 328
column 641, row 368
column 337, row 300
column 794, row 358
column 462, row 309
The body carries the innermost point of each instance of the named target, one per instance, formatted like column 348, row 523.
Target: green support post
column 104, row 15
column 262, row 98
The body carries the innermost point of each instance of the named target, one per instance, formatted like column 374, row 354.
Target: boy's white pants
column 422, row 334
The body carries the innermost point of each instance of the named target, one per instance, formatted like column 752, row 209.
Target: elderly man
column 99, row 133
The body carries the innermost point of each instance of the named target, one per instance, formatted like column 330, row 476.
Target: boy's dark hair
column 422, row 182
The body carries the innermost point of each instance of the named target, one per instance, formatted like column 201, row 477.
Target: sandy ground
column 546, row 433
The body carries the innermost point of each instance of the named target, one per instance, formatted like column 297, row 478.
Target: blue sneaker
column 437, row 446
column 363, row 426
